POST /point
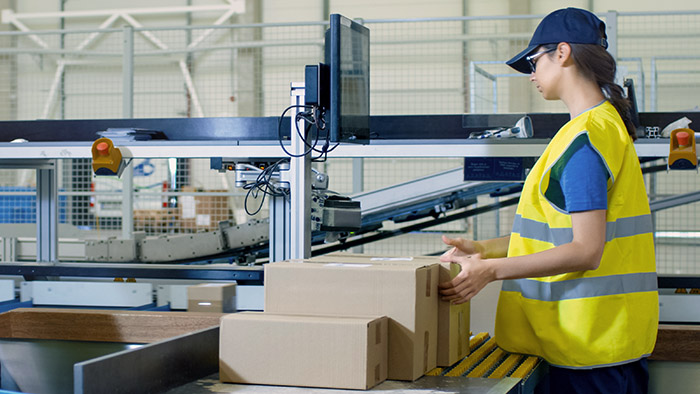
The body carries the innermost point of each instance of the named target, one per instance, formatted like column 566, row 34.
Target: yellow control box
column 106, row 158
column 682, row 155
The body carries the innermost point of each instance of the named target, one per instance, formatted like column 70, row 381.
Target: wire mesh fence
column 427, row 66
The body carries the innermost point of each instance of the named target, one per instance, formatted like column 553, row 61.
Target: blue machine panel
column 497, row 168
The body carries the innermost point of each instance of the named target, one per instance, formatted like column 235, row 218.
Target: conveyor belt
column 501, row 373
column 487, row 360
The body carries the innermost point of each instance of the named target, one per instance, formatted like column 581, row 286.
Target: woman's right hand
column 460, row 247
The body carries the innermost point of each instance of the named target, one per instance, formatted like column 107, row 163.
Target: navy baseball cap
column 572, row 25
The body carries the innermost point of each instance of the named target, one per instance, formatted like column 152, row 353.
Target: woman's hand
column 466, row 253
column 460, row 247
column 474, row 276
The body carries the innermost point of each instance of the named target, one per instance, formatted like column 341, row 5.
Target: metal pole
column 128, row 73
column 358, row 186
column 466, row 81
column 279, row 229
column 358, row 175
column 128, row 112
column 611, row 22
column 653, row 83
column 47, row 212
column 62, row 87
column 472, row 88
column 494, row 87
column 300, row 183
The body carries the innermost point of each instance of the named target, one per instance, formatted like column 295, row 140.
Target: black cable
column 306, row 131
column 319, row 114
column 315, row 117
column 263, row 185
column 320, row 123
column 325, row 151
column 318, row 120
column 279, row 131
column 254, row 190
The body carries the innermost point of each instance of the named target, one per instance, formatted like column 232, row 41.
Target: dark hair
column 596, row 64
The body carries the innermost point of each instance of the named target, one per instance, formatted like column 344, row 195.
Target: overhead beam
column 9, row 16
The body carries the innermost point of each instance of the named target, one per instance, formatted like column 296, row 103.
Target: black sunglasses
column 532, row 59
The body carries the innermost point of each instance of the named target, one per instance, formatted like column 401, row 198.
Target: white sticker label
column 203, row 220
column 348, row 265
column 188, row 207
column 391, row 259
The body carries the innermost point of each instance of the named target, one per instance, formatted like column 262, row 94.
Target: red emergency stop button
column 102, row 148
column 682, row 138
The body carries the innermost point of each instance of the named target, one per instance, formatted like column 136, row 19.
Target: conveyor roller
column 487, row 360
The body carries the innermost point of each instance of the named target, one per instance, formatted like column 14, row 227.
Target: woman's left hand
column 476, row 273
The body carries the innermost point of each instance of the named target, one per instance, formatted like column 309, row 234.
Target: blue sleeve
column 584, row 181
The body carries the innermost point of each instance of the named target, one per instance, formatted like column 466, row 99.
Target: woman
column 579, row 271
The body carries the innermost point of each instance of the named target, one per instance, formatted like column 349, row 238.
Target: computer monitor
column 347, row 58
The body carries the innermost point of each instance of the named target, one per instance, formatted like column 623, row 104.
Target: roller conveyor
column 487, row 369
column 119, row 350
column 673, row 366
column 487, row 360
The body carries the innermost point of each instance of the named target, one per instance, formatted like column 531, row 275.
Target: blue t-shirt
column 582, row 181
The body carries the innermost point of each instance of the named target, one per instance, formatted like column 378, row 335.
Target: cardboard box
column 203, row 213
column 155, row 220
column 453, row 320
column 311, row 351
column 407, row 294
column 212, row 297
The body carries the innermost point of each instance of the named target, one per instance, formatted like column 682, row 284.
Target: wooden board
column 102, row 325
column 677, row 343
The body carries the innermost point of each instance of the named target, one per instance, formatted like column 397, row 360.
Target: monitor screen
column 347, row 56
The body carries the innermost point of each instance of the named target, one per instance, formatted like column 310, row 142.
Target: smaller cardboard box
column 453, row 320
column 453, row 323
column 212, row 297
column 154, row 221
column 308, row 351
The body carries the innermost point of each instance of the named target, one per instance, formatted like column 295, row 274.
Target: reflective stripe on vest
column 583, row 287
column 622, row 227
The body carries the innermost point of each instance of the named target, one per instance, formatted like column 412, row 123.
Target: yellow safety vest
column 585, row 319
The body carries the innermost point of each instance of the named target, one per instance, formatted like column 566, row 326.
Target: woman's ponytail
column 598, row 65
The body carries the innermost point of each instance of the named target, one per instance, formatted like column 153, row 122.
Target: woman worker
column 580, row 286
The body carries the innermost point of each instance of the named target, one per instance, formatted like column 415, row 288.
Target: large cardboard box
column 311, row 351
column 212, row 297
column 407, row 294
column 453, row 320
